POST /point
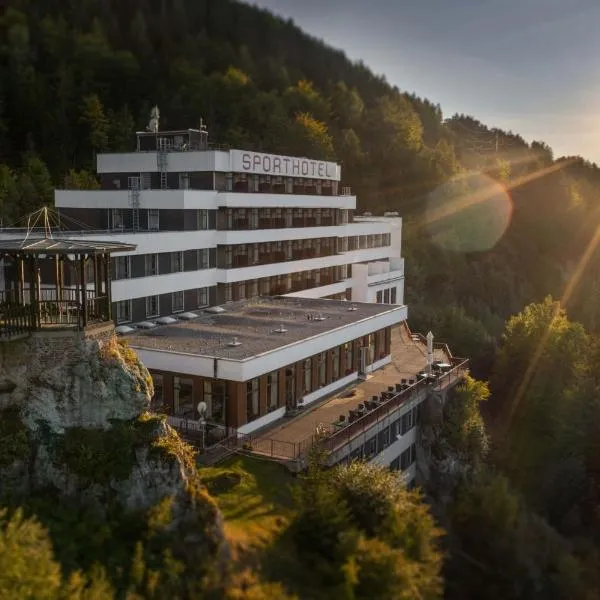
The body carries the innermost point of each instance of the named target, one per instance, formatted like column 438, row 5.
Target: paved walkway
column 409, row 356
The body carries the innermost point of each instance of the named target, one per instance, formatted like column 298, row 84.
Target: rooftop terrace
column 290, row 438
column 258, row 325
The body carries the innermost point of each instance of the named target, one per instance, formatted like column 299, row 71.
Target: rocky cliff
column 74, row 420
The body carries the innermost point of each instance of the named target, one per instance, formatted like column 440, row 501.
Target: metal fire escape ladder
column 134, row 201
column 161, row 160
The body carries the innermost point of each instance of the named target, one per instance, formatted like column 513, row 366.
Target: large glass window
column 123, row 311
column 348, row 351
column 272, row 390
column 118, row 221
column 252, row 397
column 122, row 267
column 202, row 219
column 202, row 297
column 152, row 306
column 308, row 375
column 335, row 363
column 157, row 404
column 177, row 301
column 176, row 262
column 153, row 219
column 214, row 396
column 151, row 264
column 183, row 397
column 322, row 360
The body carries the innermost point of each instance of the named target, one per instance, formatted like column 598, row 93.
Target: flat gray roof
column 254, row 322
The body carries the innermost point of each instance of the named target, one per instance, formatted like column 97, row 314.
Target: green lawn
column 255, row 497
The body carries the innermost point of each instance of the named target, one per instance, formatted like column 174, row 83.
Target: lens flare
column 470, row 213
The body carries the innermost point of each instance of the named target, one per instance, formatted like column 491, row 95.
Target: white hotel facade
column 214, row 226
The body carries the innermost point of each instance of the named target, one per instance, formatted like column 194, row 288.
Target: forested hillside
column 492, row 224
column 80, row 77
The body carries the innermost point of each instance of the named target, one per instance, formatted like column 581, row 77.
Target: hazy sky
column 532, row 66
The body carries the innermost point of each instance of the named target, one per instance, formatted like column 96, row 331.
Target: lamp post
column 429, row 351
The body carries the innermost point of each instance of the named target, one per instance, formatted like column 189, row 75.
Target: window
column 122, row 267
column 272, row 390
column 202, row 297
column 177, row 301
column 151, row 264
column 252, row 408
column 308, row 375
column 123, row 311
column 386, row 296
column 371, row 447
column 203, row 258
column 335, row 362
column 202, row 219
column 393, row 295
column 348, row 350
column 322, row 368
column 153, row 219
column 118, row 221
column 152, row 306
column 380, row 297
column 156, row 404
column 176, row 262
column 228, row 292
column 214, row 396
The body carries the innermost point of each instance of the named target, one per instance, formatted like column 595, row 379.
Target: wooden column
column 57, row 278
column 197, row 393
column 388, row 340
column 262, row 395
column 82, row 278
column 33, row 299
column 107, row 290
column 281, row 399
column 236, row 404
column 21, row 279
column 299, row 380
column 329, row 367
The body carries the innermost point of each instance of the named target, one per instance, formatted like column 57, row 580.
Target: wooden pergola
column 36, row 292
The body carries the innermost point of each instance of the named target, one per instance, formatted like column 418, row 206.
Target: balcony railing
column 332, row 437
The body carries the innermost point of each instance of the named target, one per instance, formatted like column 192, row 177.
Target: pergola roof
column 48, row 245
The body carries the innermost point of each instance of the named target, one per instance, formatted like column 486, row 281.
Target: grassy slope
column 256, row 500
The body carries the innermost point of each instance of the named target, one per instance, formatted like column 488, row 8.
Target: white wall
column 140, row 287
column 195, row 199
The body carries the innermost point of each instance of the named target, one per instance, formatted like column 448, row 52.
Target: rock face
column 66, row 381
column 73, row 417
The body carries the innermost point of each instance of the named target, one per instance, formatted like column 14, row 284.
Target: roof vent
column 319, row 317
column 352, row 308
column 215, row 309
column 122, row 329
column 166, row 320
column 234, row 342
column 187, row 316
column 280, row 329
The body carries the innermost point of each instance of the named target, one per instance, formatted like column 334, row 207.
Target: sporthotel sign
column 286, row 166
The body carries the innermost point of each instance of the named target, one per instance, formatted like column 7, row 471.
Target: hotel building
column 213, row 226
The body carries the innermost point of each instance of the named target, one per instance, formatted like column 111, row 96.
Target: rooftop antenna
column 154, row 120
column 202, row 125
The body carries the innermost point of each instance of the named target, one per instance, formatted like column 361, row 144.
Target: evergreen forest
column 501, row 242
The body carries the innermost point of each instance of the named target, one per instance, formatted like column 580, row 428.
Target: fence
column 331, row 437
